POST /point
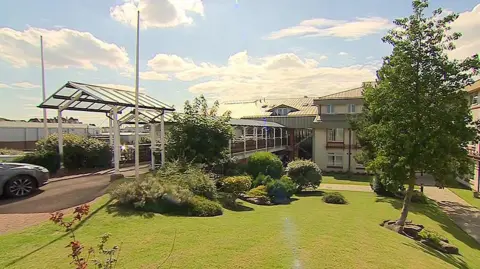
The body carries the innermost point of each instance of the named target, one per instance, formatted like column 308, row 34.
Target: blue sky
column 224, row 50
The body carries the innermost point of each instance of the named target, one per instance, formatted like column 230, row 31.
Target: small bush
column 202, row 207
column 237, row 184
column 260, row 191
column 5, row 151
column 261, row 179
column 305, row 174
column 47, row 159
column 419, row 198
column 334, row 198
column 282, row 189
column 264, row 162
column 379, row 188
column 432, row 236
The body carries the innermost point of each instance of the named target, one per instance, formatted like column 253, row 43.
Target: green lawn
column 305, row 234
column 467, row 195
column 345, row 179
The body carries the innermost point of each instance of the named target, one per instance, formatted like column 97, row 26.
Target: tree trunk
column 406, row 200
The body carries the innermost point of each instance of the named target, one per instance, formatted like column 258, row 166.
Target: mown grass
column 307, row 233
column 467, row 195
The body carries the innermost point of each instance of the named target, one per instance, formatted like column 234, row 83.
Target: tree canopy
column 417, row 116
column 199, row 135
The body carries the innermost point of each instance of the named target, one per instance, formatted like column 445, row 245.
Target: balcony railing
column 250, row 144
column 474, row 151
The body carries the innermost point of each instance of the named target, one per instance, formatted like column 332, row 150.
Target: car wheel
column 20, row 186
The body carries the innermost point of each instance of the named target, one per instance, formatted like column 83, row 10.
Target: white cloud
column 281, row 75
column 157, row 13
column 337, row 28
column 63, row 48
column 468, row 24
column 342, row 53
column 19, row 85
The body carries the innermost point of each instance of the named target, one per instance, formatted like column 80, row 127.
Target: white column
column 110, row 130
column 255, row 130
column 45, row 127
column 137, row 148
column 60, row 137
column 281, row 137
column 274, row 137
column 162, row 137
column 245, row 141
column 116, row 141
column 153, row 145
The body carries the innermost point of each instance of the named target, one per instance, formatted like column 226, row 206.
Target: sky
column 224, row 49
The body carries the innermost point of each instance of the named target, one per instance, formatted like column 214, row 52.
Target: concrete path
column 344, row 187
column 61, row 194
column 462, row 213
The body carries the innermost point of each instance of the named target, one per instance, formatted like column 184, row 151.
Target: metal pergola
column 77, row 96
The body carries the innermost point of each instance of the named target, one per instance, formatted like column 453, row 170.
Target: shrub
column 202, row 207
column 334, row 198
column 237, row 184
column 432, row 236
column 379, row 188
column 176, row 189
column 261, row 179
column 305, row 174
column 78, row 151
column 264, row 162
column 419, row 198
column 282, row 189
column 260, row 191
column 5, row 151
column 47, row 159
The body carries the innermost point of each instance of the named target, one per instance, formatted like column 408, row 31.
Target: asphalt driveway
column 62, row 194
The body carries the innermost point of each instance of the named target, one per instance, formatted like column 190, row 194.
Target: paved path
column 60, row 194
column 344, row 187
column 462, row 213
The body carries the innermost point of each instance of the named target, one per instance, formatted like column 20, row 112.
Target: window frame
column 336, row 135
column 350, row 110
column 336, row 163
column 474, row 99
column 330, row 109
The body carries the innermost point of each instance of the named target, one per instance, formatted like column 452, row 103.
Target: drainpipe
column 349, row 149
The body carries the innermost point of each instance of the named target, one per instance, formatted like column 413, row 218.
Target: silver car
column 21, row 179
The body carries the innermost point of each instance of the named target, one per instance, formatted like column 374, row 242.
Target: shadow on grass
column 432, row 211
column 127, row 211
column 79, row 225
column 310, row 193
column 451, row 259
column 237, row 206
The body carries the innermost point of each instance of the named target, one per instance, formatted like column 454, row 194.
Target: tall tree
column 417, row 117
column 199, row 135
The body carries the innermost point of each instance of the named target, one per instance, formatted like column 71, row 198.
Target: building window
column 335, row 135
column 335, row 160
column 351, row 108
column 282, row 111
column 330, row 109
column 474, row 99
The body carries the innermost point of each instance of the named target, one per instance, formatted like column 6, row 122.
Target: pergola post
column 60, row 137
column 162, row 136
column 266, row 138
column 274, row 137
column 153, row 140
column 245, row 142
column 255, row 130
column 281, row 137
column 110, row 131
column 116, row 141
column 230, row 147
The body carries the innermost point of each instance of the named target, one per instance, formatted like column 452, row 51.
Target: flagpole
column 45, row 127
column 137, row 153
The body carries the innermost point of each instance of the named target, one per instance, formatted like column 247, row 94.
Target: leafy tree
column 199, row 135
column 417, row 116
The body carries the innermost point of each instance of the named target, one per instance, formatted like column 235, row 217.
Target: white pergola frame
column 75, row 96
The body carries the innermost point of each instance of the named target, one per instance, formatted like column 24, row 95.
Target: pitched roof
column 474, row 87
column 348, row 94
column 259, row 108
